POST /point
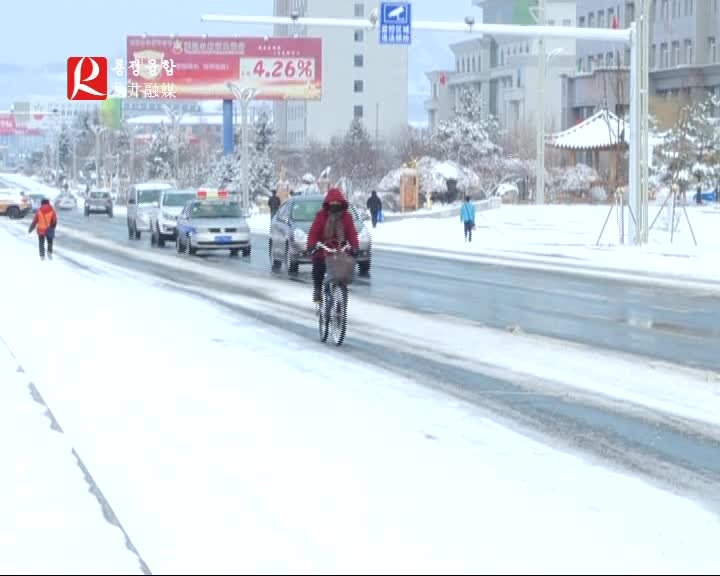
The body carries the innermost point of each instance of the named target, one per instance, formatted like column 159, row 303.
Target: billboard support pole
column 227, row 127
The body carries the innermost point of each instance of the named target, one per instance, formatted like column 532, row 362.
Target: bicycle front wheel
column 324, row 315
column 338, row 314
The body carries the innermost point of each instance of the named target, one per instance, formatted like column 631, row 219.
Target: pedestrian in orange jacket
column 45, row 221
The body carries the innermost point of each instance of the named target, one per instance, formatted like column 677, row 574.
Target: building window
column 630, row 12
column 664, row 59
column 600, row 61
column 581, row 22
column 665, row 10
column 359, row 36
column 689, row 53
column 567, row 22
column 653, row 57
column 675, row 8
column 689, row 8
column 591, row 20
column 579, row 66
column 675, row 54
column 609, row 59
column 601, row 19
column 359, row 10
column 357, row 112
column 358, row 86
column 359, row 60
column 457, row 65
column 627, row 56
column 611, row 17
column 712, row 50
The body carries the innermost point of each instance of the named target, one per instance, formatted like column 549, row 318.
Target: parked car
column 66, row 202
column 142, row 200
column 213, row 221
column 163, row 219
column 14, row 203
column 290, row 226
column 99, row 202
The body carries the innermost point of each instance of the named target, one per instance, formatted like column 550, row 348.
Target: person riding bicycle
column 333, row 226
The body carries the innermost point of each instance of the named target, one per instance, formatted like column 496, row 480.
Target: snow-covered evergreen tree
column 471, row 134
column 64, row 145
column 264, row 134
column 227, row 174
column 261, row 164
column 160, row 155
column 687, row 157
column 356, row 158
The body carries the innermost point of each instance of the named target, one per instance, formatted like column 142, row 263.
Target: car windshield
column 178, row 199
column 306, row 210
column 99, row 195
column 215, row 209
column 149, row 196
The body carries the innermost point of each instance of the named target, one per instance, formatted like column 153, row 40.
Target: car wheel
column 234, row 252
column 189, row 250
column 178, row 245
column 160, row 240
column 276, row 264
column 153, row 237
column 87, row 213
column 110, row 213
column 246, row 251
column 364, row 268
column 290, row 265
column 13, row 212
column 131, row 233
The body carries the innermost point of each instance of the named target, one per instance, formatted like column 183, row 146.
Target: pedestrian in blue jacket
column 467, row 217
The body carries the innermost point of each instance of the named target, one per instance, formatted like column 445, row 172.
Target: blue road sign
column 395, row 23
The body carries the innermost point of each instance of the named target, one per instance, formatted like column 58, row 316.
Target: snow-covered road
column 227, row 446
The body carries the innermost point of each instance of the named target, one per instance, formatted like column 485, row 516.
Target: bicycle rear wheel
column 338, row 315
column 324, row 314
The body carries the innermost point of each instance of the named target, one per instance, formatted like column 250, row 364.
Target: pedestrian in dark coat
column 374, row 204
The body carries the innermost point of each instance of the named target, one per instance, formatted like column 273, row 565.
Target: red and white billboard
column 9, row 127
column 200, row 67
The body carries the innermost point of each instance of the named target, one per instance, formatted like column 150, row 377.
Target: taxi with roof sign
column 214, row 220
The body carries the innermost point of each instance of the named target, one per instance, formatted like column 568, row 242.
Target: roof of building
column 602, row 130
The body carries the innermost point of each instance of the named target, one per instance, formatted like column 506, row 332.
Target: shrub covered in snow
column 578, row 178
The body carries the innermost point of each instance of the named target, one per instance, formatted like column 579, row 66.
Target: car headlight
column 300, row 238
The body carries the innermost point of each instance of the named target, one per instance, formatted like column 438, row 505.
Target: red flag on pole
column 614, row 23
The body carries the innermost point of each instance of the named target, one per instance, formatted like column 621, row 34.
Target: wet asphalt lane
column 669, row 452
column 672, row 325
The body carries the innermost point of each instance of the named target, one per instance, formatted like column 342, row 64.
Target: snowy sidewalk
column 50, row 523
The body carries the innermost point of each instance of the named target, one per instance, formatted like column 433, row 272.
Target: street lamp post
column 244, row 95
column 97, row 130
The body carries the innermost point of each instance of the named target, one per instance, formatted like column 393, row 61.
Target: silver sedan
column 213, row 225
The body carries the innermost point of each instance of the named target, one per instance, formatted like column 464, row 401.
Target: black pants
column 41, row 245
column 468, row 230
column 373, row 218
column 318, row 273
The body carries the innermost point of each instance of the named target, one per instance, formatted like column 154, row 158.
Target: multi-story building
column 504, row 69
column 683, row 47
column 361, row 78
column 683, row 56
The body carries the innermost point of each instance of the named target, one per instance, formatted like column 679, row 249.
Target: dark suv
column 99, row 202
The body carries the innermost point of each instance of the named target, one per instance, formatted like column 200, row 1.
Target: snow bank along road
column 667, row 322
column 661, row 421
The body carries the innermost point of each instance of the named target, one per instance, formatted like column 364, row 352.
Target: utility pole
column 97, row 130
column 540, row 114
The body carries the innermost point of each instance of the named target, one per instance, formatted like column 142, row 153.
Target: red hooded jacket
column 45, row 219
column 318, row 232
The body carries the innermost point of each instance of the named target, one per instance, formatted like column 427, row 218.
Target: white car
column 163, row 219
column 66, row 202
column 143, row 200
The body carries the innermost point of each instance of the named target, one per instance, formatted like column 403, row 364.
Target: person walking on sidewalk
column 374, row 204
column 274, row 204
column 467, row 217
column 45, row 222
